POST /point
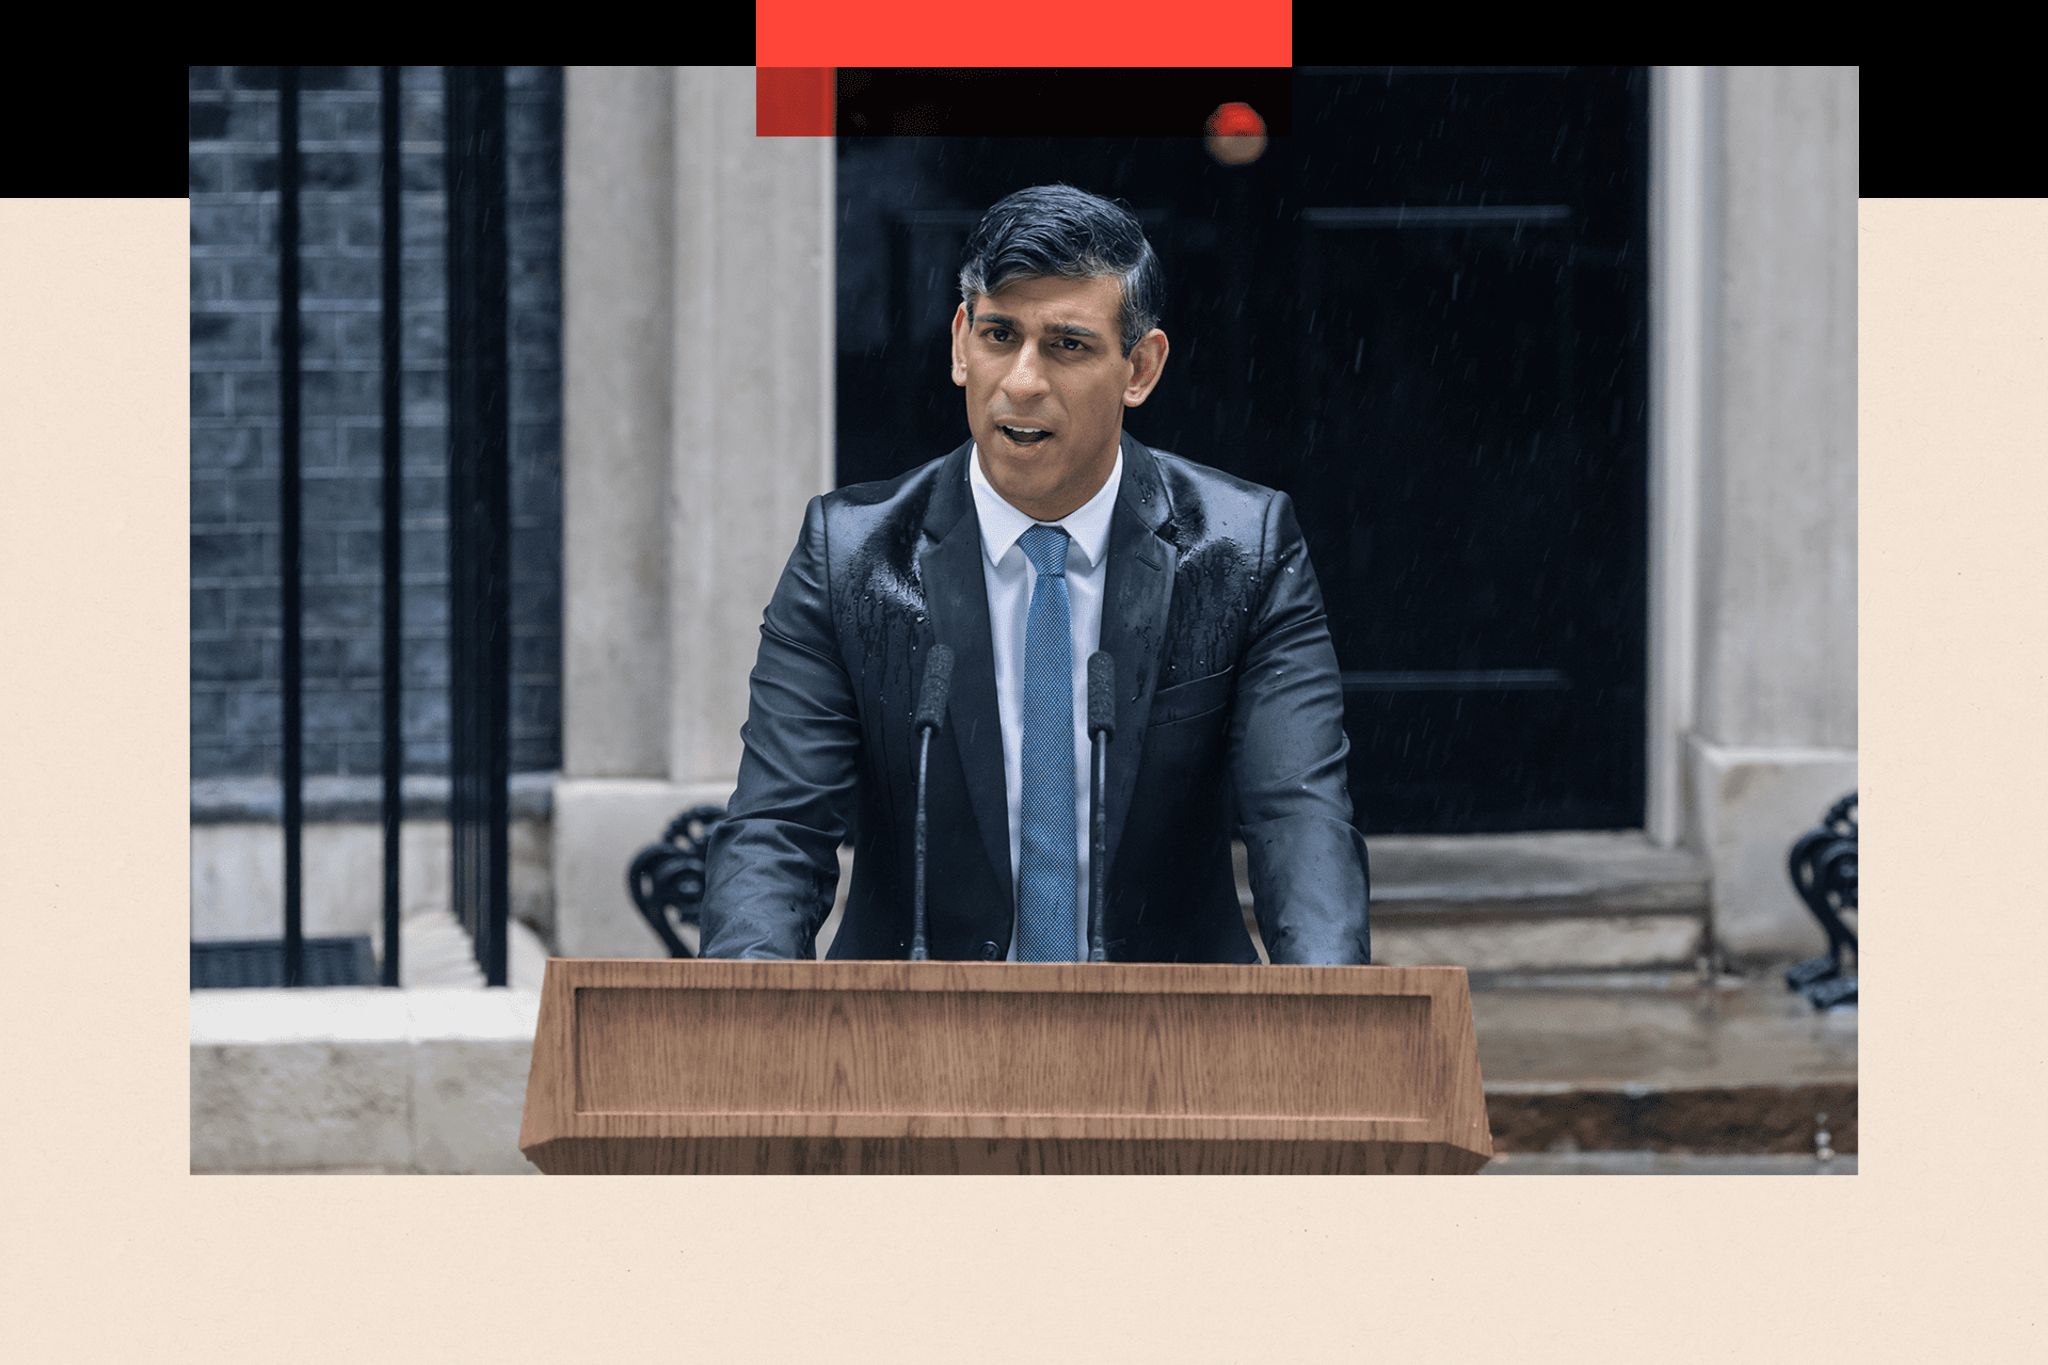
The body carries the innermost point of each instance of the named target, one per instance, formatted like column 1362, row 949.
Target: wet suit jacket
column 1229, row 718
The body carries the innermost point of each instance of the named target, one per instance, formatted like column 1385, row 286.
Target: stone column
column 1774, row 739
column 697, row 374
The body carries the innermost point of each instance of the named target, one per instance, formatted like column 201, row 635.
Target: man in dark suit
column 1052, row 532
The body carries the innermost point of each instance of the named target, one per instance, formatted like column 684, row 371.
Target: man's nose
column 1025, row 378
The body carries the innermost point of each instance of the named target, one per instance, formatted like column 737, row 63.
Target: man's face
column 1047, row 384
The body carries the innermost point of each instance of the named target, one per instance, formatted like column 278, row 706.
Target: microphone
column 1101, row 694
column 1101, row 727
column 938, row 682
column 931, row 712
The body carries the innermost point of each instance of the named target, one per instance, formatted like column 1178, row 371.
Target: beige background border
column 112, row 1250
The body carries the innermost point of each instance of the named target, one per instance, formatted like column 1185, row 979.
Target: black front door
column 1422, row 314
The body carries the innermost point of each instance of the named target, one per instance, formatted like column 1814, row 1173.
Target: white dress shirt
column 1009, row 578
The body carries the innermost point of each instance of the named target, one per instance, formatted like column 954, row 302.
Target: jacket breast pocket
column 1188, row 700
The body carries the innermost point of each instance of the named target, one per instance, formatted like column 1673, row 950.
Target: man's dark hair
column 1059, row 230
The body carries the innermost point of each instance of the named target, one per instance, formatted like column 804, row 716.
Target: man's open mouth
column 1024, row 436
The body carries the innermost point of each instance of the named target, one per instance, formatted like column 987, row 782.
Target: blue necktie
column 1047, row 873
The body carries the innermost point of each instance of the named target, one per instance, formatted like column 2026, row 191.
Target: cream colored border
column 114, row 1252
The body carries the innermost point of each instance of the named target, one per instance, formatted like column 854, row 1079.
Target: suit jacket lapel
column 1136, row 597
column 957, row 596
column 1137, row 593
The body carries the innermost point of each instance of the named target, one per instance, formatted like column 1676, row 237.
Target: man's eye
column 1070, row 344
column 997, row 334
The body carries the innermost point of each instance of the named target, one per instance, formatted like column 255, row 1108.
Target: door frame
column 1683, row 119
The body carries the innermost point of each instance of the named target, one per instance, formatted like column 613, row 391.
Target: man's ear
column 1148, row 362
column 960, row 325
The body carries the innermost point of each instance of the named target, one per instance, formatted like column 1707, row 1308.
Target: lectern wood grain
column 722, row 1066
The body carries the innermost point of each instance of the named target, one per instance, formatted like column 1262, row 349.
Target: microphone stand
column 1101, row 726
column 1098, row 843
column 931, row 710
column 918, row 951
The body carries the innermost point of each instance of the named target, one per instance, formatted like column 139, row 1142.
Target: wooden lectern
column 692, row 1066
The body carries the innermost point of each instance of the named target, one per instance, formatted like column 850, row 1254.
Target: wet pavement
column 1665, row 1064
column 1665, row 1163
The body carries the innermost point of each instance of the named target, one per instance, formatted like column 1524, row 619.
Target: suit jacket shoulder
column 1207, row 484
column 1222, row 529
column 872, row 536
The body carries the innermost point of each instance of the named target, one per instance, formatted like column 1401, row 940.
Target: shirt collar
column 1001, row 524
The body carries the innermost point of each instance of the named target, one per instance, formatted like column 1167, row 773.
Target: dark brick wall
column 236, row 634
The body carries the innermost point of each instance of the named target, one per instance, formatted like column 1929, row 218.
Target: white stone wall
column 361, row 1080
column 238, row 877
column 1773, row 743
column 697, row 275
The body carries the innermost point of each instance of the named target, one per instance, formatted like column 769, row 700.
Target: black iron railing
column 479, row 515
column 289, row 345
column 1822, row 864
column 391, row 345
column 666, row 878
column 479, row 526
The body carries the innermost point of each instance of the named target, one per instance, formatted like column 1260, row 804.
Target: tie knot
column 1046, row 548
